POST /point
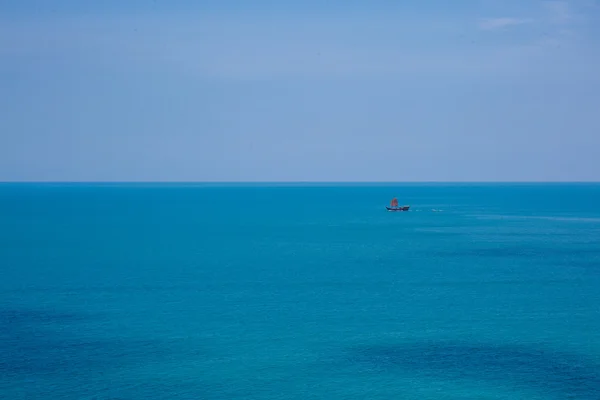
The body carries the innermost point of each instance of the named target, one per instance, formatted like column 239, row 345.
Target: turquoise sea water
column 213, row 292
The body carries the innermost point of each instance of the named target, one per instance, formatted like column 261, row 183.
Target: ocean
column 299, row 291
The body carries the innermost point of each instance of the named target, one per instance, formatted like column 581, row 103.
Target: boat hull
column 403, row 208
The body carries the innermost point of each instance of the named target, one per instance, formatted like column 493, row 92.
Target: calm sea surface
column 211, row 292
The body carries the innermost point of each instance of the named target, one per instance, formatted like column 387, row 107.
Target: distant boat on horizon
column 395, row 207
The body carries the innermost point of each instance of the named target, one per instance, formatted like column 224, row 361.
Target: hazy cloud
column 560, row 12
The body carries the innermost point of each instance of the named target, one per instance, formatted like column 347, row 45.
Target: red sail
column 394, row 202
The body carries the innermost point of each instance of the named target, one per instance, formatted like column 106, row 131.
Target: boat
column 395, row 207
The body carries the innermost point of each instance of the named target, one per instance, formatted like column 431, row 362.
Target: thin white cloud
column 233, row 47
column 553, row 23
column 499, row 23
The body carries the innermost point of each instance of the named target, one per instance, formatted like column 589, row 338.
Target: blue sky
column 481, row 90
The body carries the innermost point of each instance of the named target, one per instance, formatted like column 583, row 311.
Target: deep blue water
column 213, row 292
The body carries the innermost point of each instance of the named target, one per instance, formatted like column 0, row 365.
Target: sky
column 182, row 90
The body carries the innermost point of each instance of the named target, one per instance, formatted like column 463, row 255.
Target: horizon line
column 225, row 182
